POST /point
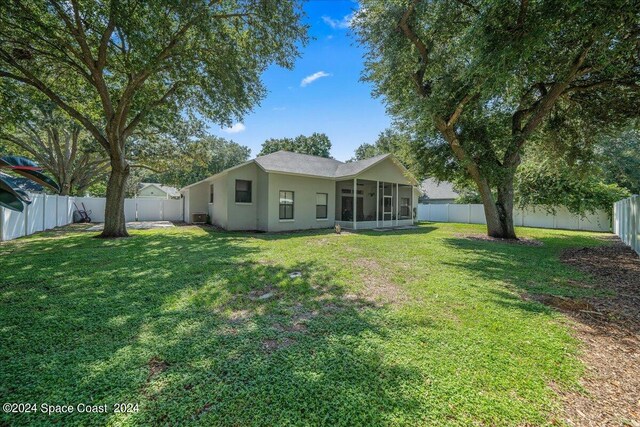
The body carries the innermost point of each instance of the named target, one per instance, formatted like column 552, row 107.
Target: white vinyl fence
column 530, row 217
column 626, row 221
column 46, row 212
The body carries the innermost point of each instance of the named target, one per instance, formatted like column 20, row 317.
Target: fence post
column 1, row 224
column 44, row 212
column 468, row 213
column 448, row 216
column 25, row 218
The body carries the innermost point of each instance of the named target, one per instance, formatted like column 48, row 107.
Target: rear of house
column 289, row 191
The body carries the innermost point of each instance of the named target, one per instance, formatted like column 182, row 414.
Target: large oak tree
column 483, row 77
column 116, row 66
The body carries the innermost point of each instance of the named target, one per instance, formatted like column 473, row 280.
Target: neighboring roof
column 171, row 191
column 23, row 184
column 305, row 164
column 432, row 189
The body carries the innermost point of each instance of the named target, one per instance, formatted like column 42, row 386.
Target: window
column 286, row 204
column 404, row 206
column 243, row 191
column 211, row 193
column 321, row 205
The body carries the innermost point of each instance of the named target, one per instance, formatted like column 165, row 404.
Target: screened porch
column 362, row 204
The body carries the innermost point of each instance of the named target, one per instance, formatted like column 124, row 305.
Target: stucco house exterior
column 152, row 190
column 289, row 191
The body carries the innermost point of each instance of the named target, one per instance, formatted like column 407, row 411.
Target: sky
column 322, row 93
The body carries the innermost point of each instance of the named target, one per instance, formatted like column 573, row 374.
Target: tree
column 58, row 144
column 482, row 78
column 202, row 158
column 619, row 157
column 117, row 66
column 394, row 141
column 317, row 144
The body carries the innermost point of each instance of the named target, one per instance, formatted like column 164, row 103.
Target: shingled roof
column 304, row 164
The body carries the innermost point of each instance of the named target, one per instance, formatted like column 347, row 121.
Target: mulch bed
column 609, row 328
column 483, row 237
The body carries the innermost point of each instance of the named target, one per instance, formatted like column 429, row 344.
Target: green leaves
column 317, row 144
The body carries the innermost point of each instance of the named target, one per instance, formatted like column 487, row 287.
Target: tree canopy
column 204, row 157
column 116, row 66
column 316, row 144
column 476, row 82
column 35, row 127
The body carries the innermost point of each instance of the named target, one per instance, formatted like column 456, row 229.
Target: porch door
column 387, row 211
column 347, row 208
column 386, row 203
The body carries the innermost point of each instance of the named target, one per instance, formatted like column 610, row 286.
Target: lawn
column 412, row 327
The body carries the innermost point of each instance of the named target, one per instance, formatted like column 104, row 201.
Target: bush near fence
column 47, row 212
column 626, row 221
column 530, row 217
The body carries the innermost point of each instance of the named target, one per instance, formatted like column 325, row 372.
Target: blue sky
column 337, row 103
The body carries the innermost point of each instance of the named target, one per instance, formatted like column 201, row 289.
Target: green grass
column 414, row 327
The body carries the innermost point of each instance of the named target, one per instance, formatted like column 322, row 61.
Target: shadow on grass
column 534, row 272
column 193, row 329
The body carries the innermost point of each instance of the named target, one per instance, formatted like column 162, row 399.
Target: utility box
column 199, row 218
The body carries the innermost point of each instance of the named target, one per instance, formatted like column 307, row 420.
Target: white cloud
column 313, row 77
column 236, row 128
column 345, row 22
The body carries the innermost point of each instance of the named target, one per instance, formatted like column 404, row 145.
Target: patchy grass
column 412, row 327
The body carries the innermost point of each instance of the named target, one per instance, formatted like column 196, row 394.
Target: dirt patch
column 378, row 285
column 263, row 294
column 156, row 366
column 525, row 241
column 270, row 345
column 609, row 328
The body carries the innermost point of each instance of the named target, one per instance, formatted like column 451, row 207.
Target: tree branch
column 30, row 79
column 421, row 47
column 145, row 111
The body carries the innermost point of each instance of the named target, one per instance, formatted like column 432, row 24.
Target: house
column 437, row 192
column 289, row 191
column 150, row 190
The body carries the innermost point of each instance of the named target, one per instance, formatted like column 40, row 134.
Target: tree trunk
column 114, row 221
column 65, row 188
column 499, row 213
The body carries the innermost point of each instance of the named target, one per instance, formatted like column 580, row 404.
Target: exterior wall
column 218, row 211
column 388, row 171
column 263, row 200
column 153, row 192
column 197, row 200
column 242, row 216
column 304, row 210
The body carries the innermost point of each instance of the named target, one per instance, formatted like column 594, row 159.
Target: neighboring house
column 151, row 190
column 434, row 192
column 289, row 191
